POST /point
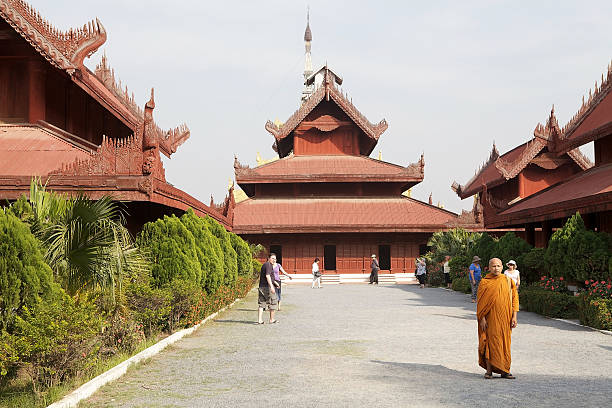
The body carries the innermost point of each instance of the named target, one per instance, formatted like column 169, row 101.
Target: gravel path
column 359, row 345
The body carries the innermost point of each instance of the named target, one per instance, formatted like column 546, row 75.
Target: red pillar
column 36, row 91
column 546, row 232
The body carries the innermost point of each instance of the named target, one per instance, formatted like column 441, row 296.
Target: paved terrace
column 359, row 345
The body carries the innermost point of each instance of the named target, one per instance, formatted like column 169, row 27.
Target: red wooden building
column 325, row 197
column 566, row 183
column 77, row 129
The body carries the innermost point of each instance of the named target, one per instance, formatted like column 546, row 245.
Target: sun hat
column 476, row 258
column 511, row 262
column 373, row 256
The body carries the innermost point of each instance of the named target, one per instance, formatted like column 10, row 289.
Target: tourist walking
column 316, row 273
column 267, row 294
column 446, row 269
column 278, row 269
column 475, row 276
column 497, row 307
column 375, row 267
column 421, row 271
column 513, row 273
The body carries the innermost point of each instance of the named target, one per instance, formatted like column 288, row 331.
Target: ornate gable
column 327, row 91
column 65, row 50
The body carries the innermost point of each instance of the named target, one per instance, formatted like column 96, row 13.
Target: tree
column 578, row 254
column 172, row 251
column 86, row 242
column 209, row 251
column 243, row 255
column 229, row 254
column 454, row 242
column 25, row 278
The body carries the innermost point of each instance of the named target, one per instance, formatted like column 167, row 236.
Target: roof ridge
column 595, row 97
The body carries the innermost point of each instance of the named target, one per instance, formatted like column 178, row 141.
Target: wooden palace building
column 79, row 130
column 325, row 197
column 539, row 185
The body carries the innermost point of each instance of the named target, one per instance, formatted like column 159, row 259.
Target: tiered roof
column 381, row 214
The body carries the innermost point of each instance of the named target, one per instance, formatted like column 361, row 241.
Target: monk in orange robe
column 496, row 310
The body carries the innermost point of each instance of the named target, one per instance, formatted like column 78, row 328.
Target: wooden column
column 530, row 234
column 36, row 91
column 521, row 185
column 546, row 232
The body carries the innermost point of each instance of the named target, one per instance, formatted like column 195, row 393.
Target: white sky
column 450, row 77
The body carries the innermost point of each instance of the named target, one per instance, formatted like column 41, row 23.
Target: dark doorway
column 329, row 257
column 384, row 257
column 278, row 250
column 423, row 249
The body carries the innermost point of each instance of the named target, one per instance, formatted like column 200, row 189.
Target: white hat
column 511, row 262
column 373, row 256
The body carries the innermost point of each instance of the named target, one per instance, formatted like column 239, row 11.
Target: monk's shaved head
column 495, row 266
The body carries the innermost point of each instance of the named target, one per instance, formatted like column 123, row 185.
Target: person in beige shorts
column 267, row 294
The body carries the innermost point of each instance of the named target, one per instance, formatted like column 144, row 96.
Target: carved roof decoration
column 327, row 90
column 106, row 74
column 510, row 164
column 65, row 50
column 494, row 155
column 595, row 97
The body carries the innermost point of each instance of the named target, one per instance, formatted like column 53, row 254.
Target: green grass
column 19, row 393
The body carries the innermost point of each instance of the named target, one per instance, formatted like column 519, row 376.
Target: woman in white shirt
column 316, row 273
column 513, row 273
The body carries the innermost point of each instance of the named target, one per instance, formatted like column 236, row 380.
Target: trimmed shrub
column 25, row 278
column 486, row 248
column 462, row 284
column 243, row 255
column 229, row 254
column 548, row 303
column 209, row 251
column 532, row 265
column 172, row 250
column 578, row 254
column 595, row 312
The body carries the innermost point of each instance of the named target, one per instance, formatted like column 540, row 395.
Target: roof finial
column 308, row 89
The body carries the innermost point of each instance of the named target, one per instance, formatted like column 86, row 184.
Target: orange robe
column 496, row 302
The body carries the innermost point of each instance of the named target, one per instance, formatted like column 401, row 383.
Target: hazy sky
column 450, row 77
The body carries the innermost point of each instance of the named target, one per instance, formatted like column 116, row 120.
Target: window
column 384, row 257
column 329, row 257
column 278, row 250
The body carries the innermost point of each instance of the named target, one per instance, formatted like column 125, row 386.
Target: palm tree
column 86, row 242
column 453, row 242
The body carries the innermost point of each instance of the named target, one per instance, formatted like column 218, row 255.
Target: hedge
column 595, row 312
column 462, row 284
column 25, row 278
column 548, row 303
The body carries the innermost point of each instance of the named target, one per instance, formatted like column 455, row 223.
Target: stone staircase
column 330, row 279
column 386, row 278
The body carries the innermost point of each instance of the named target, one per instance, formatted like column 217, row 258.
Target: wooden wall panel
column 13, row 91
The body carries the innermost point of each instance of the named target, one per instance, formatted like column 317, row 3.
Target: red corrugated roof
column 590, row 183
column 34, row 151
column 331, row 165
column 338, row 214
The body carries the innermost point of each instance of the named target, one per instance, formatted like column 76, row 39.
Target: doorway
column 329, row 257
column 278, row 250
column 384, row 257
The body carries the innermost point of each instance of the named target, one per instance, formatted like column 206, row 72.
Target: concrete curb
column 87, row 389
